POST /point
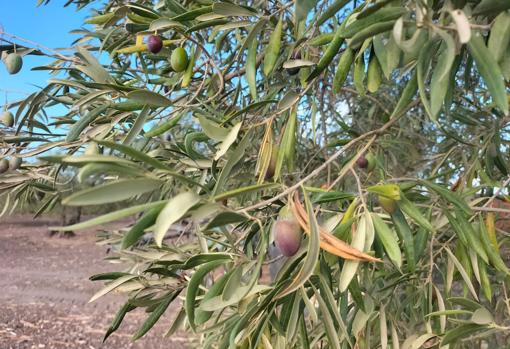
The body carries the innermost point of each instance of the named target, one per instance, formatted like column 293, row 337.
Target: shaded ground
column 44, row 290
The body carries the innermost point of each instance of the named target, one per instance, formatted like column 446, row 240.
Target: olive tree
column 357, row 149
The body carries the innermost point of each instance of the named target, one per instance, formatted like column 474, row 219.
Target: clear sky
column 47, row 25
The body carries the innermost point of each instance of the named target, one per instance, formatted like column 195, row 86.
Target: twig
column 493, row 197
column 242, row 70
column 349, row 165
column 315, row 172
column 507, row 301
column 490, row 209
column 215, row 66
column 274, row 260
column 277, row 113
column 372, row 98
column 56, row 54
column 360, row 188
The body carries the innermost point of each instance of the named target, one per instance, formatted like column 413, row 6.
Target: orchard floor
column 44, row 293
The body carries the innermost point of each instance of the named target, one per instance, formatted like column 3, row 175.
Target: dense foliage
column 374, row 133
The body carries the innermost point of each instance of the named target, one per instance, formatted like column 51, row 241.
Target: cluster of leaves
column 279, row 99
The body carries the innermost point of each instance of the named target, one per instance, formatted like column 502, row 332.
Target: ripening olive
column 362, row 162
column 155, row 43
column 287, row 236
column 366, row 162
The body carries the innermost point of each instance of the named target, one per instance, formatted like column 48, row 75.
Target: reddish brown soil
column 44, row 293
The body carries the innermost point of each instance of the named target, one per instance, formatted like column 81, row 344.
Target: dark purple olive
column 287, row 236
column 294, row 71
column 362, row 162
column 154, row 44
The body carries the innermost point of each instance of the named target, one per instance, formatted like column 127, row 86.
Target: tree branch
column 373, row 134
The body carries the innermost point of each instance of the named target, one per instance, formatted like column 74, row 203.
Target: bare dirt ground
column 44, row 293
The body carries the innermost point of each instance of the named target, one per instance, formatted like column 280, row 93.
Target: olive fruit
column 155, row 43
column 362, row 162
column 272, row 163
column 4, row 165
column 371, row 162
column 366, row 162
column 389, row 205
column 15, row 163
column 7, row 118
column 287, row 236
column 293, row 71
column 285, row 213
column 179, row 59
column 13, row 63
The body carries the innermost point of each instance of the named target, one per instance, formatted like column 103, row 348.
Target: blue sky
column 47, row 25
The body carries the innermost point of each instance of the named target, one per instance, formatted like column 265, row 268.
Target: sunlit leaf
column 149, row 98
column 112, row 192
column 174, row 210
column 230, row 138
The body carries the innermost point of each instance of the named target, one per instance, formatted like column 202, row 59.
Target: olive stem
column 507, row 300
column 360, row 189
column 493, row 197
column 215, row 66
column 324, row 133
column 274, row 260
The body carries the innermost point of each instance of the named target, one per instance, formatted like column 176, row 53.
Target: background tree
column 369, row 139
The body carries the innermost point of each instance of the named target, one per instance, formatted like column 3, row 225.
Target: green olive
column 179, row 59
column 7, row 118
column 370, row 162
column 13, row 63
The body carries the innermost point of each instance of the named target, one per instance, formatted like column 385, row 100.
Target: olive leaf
column 489, row 69
column 174, row 210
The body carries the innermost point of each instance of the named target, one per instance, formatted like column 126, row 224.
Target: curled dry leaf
column 328, row 241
